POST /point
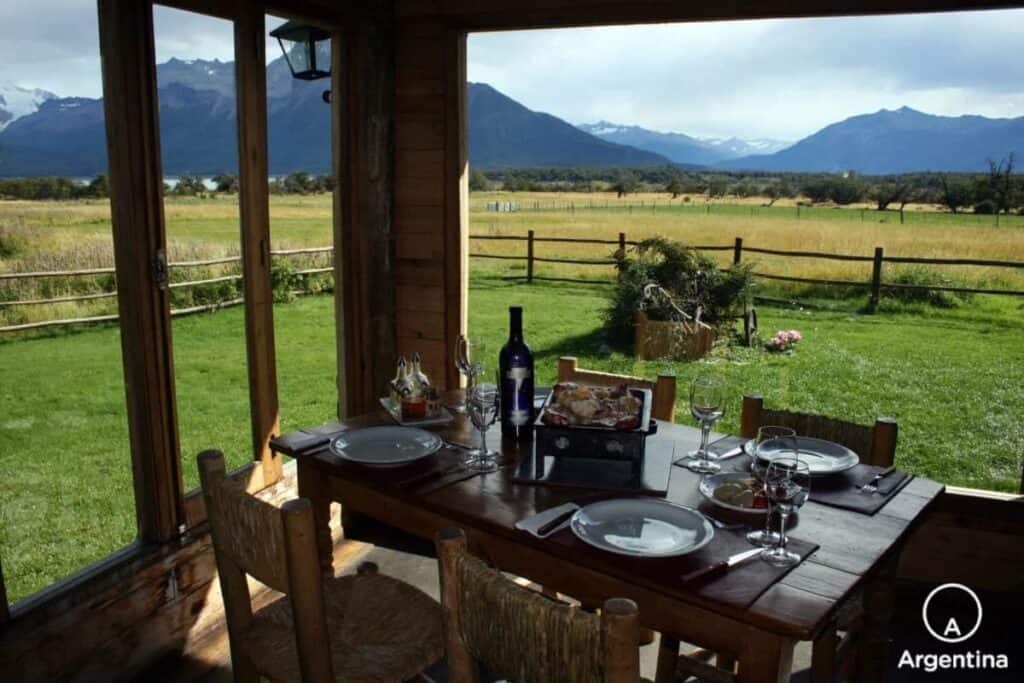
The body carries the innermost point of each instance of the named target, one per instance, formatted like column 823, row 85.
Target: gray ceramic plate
column 822, row 457
column 731, row 490
column 386, row 446
column 642, row 527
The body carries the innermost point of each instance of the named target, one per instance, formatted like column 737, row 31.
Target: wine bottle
column 515, row 364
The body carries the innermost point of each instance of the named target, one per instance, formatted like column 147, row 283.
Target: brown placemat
column 840, row 490
column 740, row 586
column 421, row 478
column 843, row 490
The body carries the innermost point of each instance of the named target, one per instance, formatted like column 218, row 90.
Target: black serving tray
column 596, row 443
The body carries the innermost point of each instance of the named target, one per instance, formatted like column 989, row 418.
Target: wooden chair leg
column 668, row 654
column 823, row 657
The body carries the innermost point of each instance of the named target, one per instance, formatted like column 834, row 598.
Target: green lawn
column 953, row 379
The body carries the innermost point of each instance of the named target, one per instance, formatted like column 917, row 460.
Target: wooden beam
column 456, row 197
column 484, row 15
column 346, row 366
column 253, row 201
column 5, row 610
column 140, row 237
column 364, row 235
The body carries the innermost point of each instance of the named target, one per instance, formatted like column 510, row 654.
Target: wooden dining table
column 854, row 549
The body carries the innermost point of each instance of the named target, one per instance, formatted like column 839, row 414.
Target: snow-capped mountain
column 679, row 147
column 16, row 102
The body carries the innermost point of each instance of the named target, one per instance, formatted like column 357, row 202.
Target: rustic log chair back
column 876, row 445
column 663, row 388
column 277, row 546
column 524, row 637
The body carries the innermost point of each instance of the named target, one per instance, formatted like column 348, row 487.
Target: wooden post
column 254, row 210
column 750, row 418
column 339, row 201
column 798, row 212
column 622, row 243
column 306, row 591
column 364, row 231
column 5, row 610
column 664, row 407
column 620, row 629
column 529, row 256
column 451, row 543
column 140, row 243
column 737, row 250
column 883, row 446
column 901, row 215
column 876, row 278
column 456, row 197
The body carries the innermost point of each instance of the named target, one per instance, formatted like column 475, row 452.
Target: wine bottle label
column 519, row 408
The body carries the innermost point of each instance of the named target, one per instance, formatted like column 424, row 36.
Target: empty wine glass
column 470, row 355
column 788, row 483
column 482, row 405
column 771, row 442
column 707, row 405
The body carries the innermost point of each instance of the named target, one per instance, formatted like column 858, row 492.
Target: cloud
column 54, row 44
column 778, row 78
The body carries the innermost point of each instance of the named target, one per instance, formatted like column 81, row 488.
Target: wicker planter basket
column 670, row 339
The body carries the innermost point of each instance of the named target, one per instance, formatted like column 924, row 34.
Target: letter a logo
column 952, row 632
column 953, row 628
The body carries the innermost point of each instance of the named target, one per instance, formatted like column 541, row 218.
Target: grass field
column 953, row 378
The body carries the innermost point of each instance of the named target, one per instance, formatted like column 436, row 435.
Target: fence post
column 737, row 250
column 798, row 212
column 529, row 256
column 901, row 215
column 876, row 278
column 622, row 243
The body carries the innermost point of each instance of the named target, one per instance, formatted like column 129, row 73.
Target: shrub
column 693, row 279
column 921, row 276
column 13, row 241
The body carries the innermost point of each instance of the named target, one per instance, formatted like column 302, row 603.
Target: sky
column 781, row 79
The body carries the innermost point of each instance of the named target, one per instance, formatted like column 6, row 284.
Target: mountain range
column 42, row 133
column 681, row 148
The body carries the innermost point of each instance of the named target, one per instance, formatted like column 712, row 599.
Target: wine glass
column 469, row 361
column 482, row 405
column 788, row 482
column 771, row 442
column 707, row 404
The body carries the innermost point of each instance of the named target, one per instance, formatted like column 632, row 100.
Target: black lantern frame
column 301, row 55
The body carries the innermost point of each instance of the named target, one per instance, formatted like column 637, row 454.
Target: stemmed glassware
column 788, row 483
column 771, row 442
column 707, row 405
column 482, row 405
column 469, row 361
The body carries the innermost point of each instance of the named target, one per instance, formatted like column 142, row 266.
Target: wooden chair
column 356, row 628
column 524, row 637
column 663, row 388
column 876, row 445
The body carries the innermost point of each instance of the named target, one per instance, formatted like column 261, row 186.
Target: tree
column 298, row 182
column 225, row 182
column 999, row 186
column 675, row 186
column 844, row 190
column 955, row 193
column 478, row 182
column 717, row 186
column 817, row 189
column 189, row 185
column 99, row 186
column 884, row 194
column 627, row 183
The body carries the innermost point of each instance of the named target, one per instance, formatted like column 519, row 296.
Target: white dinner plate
column 642, row 527
column 822, row 457
column 719, row 488
column 386, row 446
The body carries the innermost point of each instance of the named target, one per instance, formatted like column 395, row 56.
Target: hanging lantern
column 301, row 44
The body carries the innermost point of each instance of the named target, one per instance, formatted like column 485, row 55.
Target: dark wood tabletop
column 852, row 546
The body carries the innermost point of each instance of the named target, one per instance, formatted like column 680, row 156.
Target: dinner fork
column 872, row 486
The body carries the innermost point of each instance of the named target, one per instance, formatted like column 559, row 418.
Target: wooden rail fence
column 874, row 285
column 84, row 272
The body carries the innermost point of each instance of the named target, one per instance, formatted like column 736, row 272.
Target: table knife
column 731, row 453
column 877, row 477
column 721, row 567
